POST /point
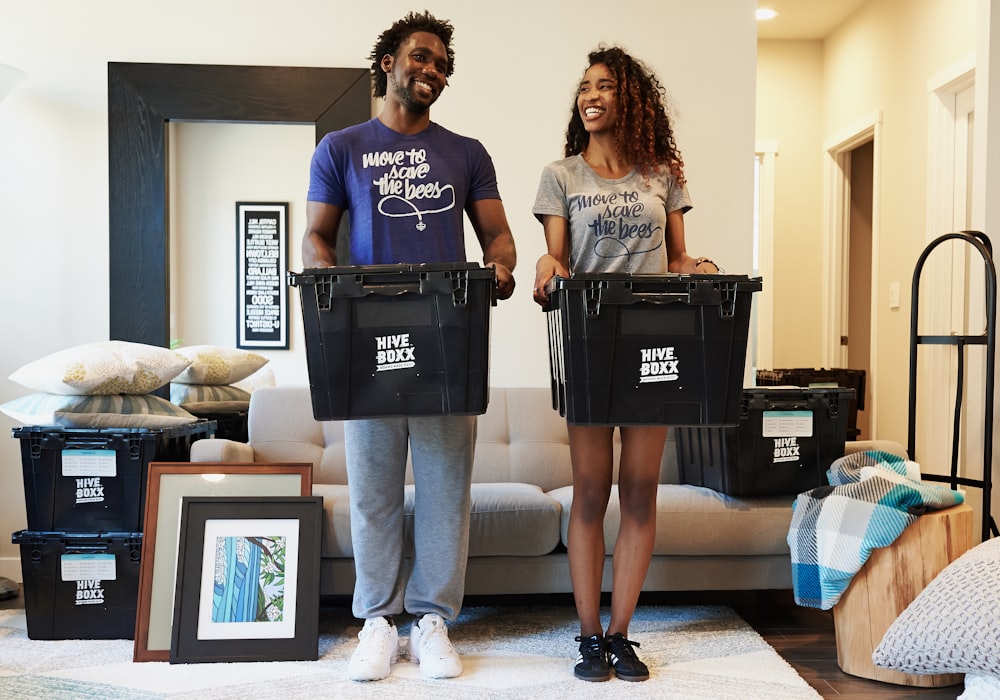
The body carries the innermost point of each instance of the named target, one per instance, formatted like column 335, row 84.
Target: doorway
column 851, row 310
column 861, row 162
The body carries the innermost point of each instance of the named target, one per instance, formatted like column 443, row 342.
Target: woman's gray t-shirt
column 615, row 225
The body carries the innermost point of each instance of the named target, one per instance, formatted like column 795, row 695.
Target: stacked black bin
column 84, row 492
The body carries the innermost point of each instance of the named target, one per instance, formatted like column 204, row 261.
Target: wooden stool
column 888, row 582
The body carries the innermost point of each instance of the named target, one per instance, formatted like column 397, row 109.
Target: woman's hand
column 546, row 268
column 706, row 266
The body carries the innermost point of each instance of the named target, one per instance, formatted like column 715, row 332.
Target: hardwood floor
column 805, row 639
column 803, row 636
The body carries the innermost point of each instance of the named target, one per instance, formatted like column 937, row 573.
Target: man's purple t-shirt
column 406, row 193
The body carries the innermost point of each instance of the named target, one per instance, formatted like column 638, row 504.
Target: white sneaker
column 429, row 645
column 376, row 652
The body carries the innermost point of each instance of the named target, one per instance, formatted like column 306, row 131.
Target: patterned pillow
column 953, row 625
column 104, row 411
column 214, row 365
column 184, row 394
column 106, row 367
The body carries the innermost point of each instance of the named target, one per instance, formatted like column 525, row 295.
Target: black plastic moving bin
column 79, row 585
column 397, row 340
column 228, row 426
column 94, row 479
column 649, row 350
column 784, row 444
column 811, row 377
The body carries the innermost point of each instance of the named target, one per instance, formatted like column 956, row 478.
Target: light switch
column 894, row 295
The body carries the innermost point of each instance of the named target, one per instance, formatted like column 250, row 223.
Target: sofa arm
column 220, row 450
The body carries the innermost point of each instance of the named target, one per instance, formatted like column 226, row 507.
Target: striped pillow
column 183, row 394
column 102, row 411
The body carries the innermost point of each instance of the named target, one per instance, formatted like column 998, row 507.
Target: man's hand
column 505, row 279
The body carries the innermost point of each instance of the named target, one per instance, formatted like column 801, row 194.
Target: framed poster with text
column 261, row 292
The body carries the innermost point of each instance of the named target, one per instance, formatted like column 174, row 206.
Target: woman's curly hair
column 643, row 131
column 391, row 39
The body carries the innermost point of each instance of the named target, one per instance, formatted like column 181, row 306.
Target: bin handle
column 85, row 548
column 391, row 290
column 662, row 298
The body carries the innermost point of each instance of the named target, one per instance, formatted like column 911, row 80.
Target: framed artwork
column 167, row 484
column 247, row 580
column 261, row 290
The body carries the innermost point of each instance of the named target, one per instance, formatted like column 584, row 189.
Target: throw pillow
column 216, row 365
column 105, row 367
column 953, row 625
column 980, row 687
column 214, row 409
column 103, row 411
column 184, row 394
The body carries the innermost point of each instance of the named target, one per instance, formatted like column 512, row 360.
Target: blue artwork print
column 249, row 582
column 618, row 225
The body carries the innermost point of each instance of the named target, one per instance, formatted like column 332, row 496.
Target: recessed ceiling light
column 764, row 13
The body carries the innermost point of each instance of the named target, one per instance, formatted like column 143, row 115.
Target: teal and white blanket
column 873, row 496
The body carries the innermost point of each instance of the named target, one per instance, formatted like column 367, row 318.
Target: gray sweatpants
column 388, row 582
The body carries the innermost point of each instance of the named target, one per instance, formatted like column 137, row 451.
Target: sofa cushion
column 512, row 519
column 692, row 520
column 336, row 542
column 507, row 519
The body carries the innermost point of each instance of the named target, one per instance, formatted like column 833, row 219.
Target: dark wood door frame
column 142, row 98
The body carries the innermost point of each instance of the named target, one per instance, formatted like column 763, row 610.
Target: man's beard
column 408, row 99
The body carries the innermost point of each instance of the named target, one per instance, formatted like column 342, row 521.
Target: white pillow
column 215, row 365
column 104, row 411
column 105, row 367
column 183, row 394
column 953, row 625
column 980, row 687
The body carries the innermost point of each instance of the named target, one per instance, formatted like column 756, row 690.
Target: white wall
column 514, row 80
column 789, row 115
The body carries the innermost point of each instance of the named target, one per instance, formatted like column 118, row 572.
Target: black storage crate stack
column 785, row 441
column 649, row 350
column 84, row 492
column 810, row 377
column 228, row 426
column 394, row 340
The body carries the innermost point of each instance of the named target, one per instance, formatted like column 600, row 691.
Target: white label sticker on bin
column 394, row 352
column 658, row 365
column 88, row 567
column 787, row 424
column 89, row 463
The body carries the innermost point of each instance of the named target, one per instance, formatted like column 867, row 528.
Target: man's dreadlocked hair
column 392, row 38
column 643, row 132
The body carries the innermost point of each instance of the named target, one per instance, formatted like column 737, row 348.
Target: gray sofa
column 520, row 502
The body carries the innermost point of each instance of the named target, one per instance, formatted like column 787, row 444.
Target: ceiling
column 805, row 19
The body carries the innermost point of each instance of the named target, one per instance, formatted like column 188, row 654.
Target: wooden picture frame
column 247, row 580
column 167, row 483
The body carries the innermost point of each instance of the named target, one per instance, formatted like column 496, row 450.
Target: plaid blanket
column 873, row 496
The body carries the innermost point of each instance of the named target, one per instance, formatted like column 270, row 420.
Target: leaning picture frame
column 247, row 580
column 167, row 484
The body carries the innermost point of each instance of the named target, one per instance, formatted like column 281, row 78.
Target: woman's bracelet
column 699, row 261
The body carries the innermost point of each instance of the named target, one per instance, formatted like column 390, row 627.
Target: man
column 407, row 183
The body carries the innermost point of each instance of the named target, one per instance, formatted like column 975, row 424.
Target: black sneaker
column 592, row 663
column 623, row 660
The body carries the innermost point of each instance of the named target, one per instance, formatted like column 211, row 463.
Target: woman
column 615, row 203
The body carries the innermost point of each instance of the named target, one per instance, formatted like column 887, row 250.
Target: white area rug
column 509, row 652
